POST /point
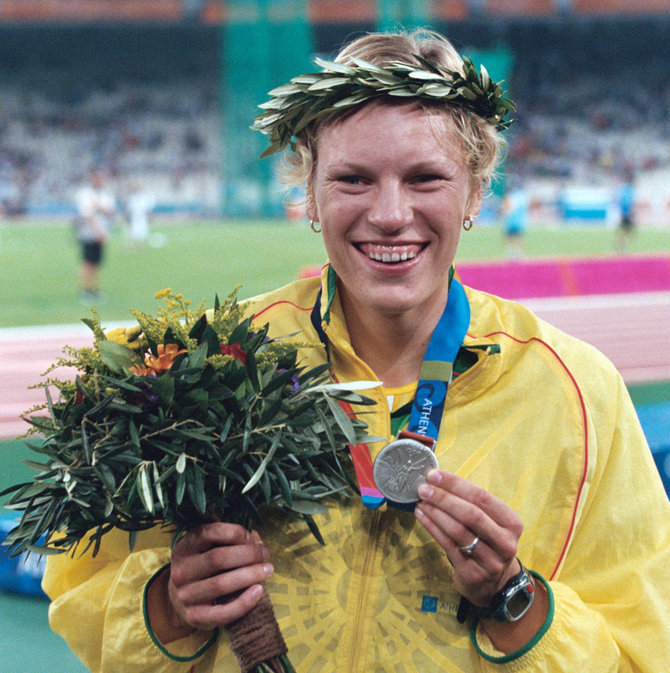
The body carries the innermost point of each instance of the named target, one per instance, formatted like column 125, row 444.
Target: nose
column 391, row 209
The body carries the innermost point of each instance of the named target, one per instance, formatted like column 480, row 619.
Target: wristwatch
column 512, row 602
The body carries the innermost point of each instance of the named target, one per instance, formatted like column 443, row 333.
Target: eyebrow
column 423, row 166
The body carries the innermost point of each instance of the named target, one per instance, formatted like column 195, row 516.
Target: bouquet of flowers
column 190, row 416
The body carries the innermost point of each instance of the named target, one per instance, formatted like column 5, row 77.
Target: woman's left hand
column 456, row 512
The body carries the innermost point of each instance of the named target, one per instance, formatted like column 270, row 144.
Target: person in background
column 96, row 209
column 626, row 203
column 540, row 544
column 139, row 206
column 514, row 210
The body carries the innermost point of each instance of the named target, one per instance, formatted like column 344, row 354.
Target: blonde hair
column 482, row 143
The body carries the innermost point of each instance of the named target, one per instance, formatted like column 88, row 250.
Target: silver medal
column 401, row 467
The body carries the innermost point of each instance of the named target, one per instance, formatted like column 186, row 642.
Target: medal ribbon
column 431, row 391
column 438, row 364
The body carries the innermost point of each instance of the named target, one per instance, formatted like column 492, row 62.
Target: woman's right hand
column 215, row 578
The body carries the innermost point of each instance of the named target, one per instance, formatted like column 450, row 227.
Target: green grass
column 38, row 267
column 560, row 241
column 39, row 261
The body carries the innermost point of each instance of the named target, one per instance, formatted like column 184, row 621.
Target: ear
column 474, row 204
column 310, row 203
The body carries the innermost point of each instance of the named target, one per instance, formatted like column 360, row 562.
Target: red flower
column 236, row 351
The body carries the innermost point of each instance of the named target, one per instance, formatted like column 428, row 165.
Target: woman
column 542, row 463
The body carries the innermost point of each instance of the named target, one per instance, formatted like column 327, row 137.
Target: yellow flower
column 128, row 336
column 118, row 335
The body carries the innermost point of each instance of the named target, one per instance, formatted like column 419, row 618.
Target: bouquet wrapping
column 187, row 417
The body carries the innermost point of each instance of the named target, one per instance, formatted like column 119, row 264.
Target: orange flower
column 155, row 366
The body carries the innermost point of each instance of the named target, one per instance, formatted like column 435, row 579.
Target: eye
column 351, row 183
column 350, row 179
column 427, row 178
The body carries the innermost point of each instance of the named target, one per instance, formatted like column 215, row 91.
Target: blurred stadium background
column 162, row 92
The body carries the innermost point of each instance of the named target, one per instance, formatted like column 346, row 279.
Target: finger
column 200, row 566
column 456, row 524
column 478, row 575
column 210, row 535
column 479, row 513
column 503, row 515
column 452, row 535
column 443, row 534
column 209, row 616
column 222, row 585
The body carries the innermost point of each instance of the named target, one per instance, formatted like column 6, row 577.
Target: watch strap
column 512, row 601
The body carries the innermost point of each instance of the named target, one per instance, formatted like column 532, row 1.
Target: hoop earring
column 313, row 227
column 468, row 222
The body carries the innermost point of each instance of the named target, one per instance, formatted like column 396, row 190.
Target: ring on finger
column 469, row 549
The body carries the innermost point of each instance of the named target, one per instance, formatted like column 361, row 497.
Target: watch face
column 518, row 604
column 512, row 601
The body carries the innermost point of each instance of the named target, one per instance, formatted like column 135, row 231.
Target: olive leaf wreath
column 338, row 87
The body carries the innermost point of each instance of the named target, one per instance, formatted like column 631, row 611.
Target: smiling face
column 391, row 190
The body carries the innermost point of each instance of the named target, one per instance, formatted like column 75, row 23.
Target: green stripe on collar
column 331, row 287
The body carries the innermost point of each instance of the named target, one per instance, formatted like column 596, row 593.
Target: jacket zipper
column 358, row 633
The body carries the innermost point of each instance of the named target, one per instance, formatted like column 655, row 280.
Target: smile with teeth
column 390, row 254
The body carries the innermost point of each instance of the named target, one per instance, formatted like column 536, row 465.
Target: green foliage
column 319, row 96
column 182, row 420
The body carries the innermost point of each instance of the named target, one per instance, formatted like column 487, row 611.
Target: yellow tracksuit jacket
column 545, row 424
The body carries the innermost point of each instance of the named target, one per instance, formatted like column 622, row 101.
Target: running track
column 633, row 330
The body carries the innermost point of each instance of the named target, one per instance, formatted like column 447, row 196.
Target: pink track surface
column 24, row 356
column 569, row 277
